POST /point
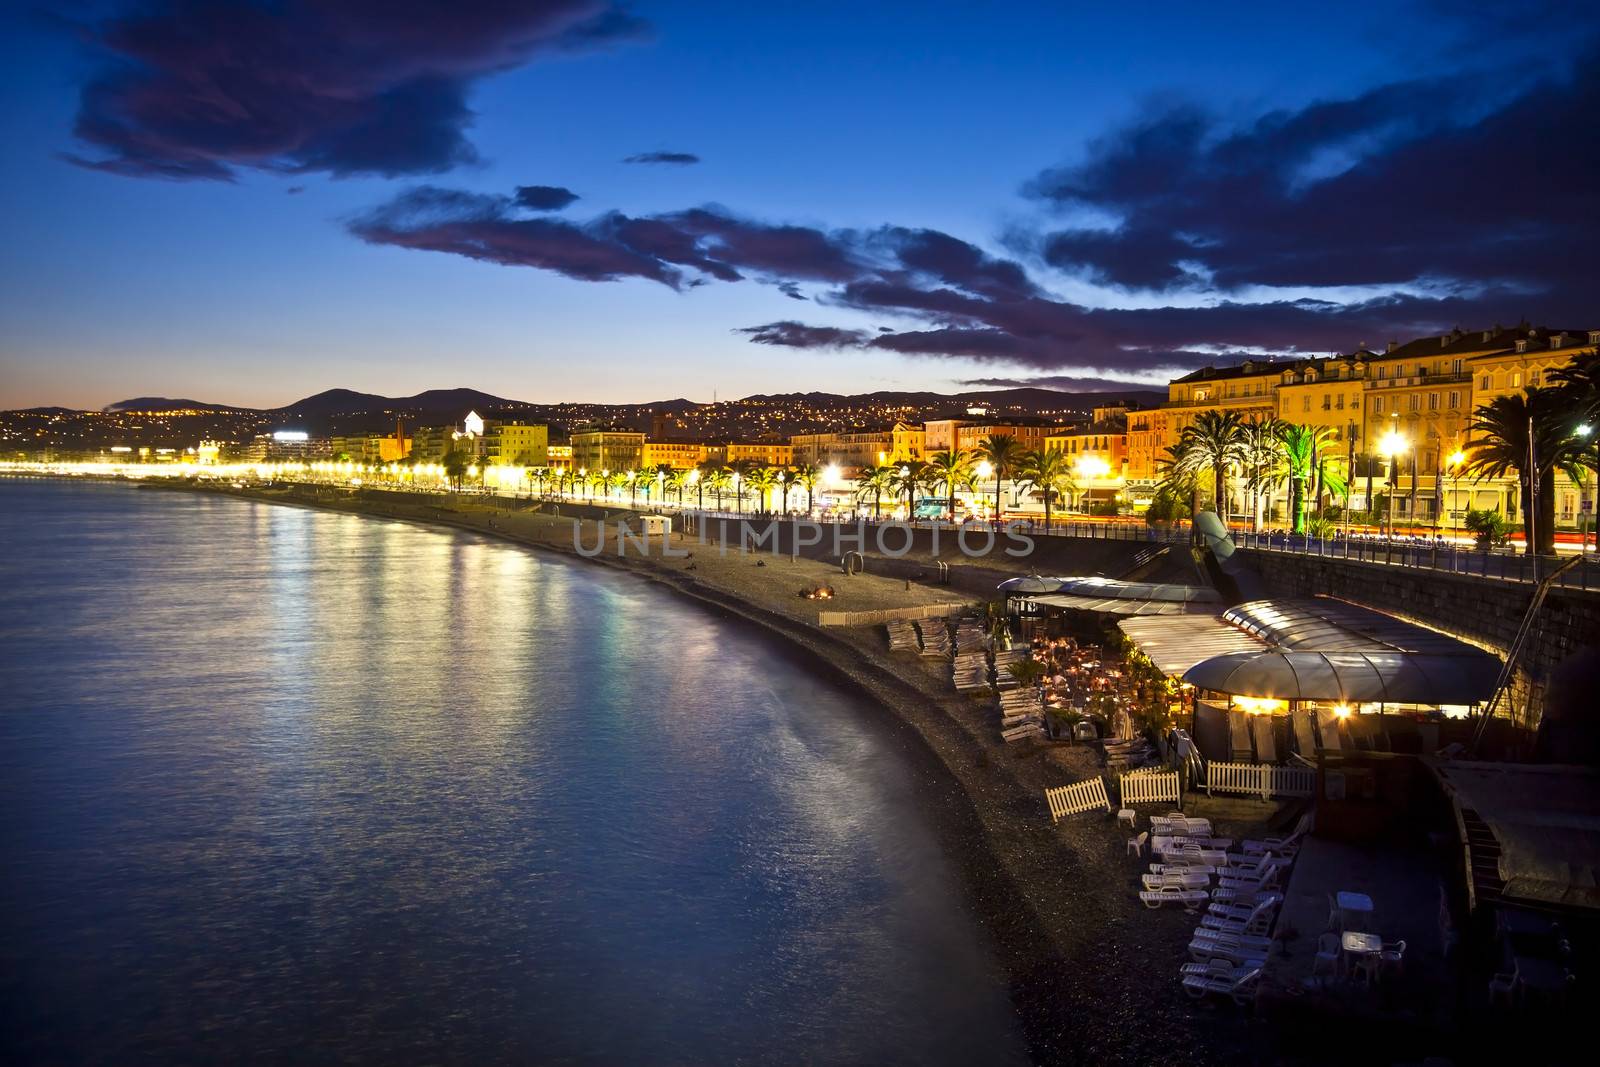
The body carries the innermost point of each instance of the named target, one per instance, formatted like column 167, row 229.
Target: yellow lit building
column 1029, row 437
column 558, row 457
column 679, row 455
column 607, row 450
column 761, row 453
column 852, row 452
column 516, row 444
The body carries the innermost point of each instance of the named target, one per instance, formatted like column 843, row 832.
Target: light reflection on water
column 296, row 786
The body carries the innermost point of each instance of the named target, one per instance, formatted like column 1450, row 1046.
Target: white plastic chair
column 1327, row 953
column 1136, row 844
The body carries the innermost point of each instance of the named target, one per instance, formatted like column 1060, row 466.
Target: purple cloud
column 791, row 334
column 682, row 159
column 202, row 88
column 545, row 197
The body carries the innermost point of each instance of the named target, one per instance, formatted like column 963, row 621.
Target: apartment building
column 607, row 450
column 679, row 455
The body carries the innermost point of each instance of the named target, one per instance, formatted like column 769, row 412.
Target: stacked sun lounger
column 935, row 637
column 902, row 636
column 1021, row 714
column 1003, row 659
column 970, row 636
column 970, row 672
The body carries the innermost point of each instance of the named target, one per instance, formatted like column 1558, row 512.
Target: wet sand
column 1092, row 973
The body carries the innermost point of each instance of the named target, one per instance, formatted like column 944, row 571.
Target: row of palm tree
column 1534, row 434
column 1046, row 473
column 1267, row 453
column 738, row 479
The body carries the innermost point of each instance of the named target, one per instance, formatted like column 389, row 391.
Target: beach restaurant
column 1276, row 676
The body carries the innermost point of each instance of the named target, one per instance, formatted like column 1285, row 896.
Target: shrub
column 1489, row 528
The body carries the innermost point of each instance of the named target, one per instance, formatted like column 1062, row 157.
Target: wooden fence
column 1079, row 796
column 1161, row 788
column 1260, row 779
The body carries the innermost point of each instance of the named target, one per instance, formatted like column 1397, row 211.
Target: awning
column 1175, row 643
column 1324, row 624
column 1350, row 677
column 1118, row 605
column 1029, row 585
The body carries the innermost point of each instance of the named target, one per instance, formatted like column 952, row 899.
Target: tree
column 908, row 478
column 875, row 481
column 808, row 474
column 1002, row 452
column 1306, row 458
column 763, row 480
column 455, row 464
column 951, row 468
column 1178, row 478
column 1263, row 463
column 1504, row 430
column 1214, row 441
column 740, row 470
column 1048, row 473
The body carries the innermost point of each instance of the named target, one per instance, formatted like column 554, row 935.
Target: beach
column 1092, row 974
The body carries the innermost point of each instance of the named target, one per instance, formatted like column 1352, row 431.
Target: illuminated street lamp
column 1392, row 445
column 1585, row 430
column 1454, row 463
column 985, row 471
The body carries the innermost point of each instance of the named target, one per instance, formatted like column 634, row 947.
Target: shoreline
column 1055, row 902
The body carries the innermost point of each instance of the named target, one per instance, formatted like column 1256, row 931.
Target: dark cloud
column 1411, row 182
column 791, row 334
column 679, row 158
column 202, row 88
column 1402, row 211
column 1060, row 382
column 545, row 197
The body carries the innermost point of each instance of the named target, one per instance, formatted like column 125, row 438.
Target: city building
column 516, row 444
column 607, row 450
column 679, row 455
column 853, row 452
column 558, row 457
column 1098, row 456
column 1030, row 437
column 760, row 453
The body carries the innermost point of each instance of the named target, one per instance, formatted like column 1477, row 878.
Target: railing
column 1437, row 555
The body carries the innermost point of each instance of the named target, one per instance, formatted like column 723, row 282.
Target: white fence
column 1147, row 788
column 1079, row 796
column 1260, row 779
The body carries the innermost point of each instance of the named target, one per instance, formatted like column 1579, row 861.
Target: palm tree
column 1579, row 382
column 808, row 474
column 1306, row 459
column 1178, row 477
column 740, row 470
column 762, row 480
column 1048, row 474
column 1506, row 429
column 455, row 463
column 876, row 481
column 1003, row 452
column 1214, row 441
column 719, row 477
column 908, row 478
column 1264, row 466
column 951, row 468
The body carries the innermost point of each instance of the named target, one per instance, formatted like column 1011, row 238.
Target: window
column 1305, row 403
column 1487, row 383
column 1327, row 402
column 1433, row 401
column 1377, row 405
column 1455, row 399
column 1414, row 402
column 1455, row 366
column 1533, row 379
column 1383, row 372
column 1339, row 403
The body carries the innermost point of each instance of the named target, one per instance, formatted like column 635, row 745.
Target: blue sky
column 998, row 130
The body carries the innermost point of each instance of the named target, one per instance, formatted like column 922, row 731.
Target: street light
column 1584, row 430
column 1456, row 459
column 985, row 471
column 1392, row 445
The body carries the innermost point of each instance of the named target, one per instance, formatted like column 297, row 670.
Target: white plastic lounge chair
column 1241, row 989
column 1189, row 898
column 1243, row 911
column 1284, row 846
column 1208, row 945
column 1190, row 868
column 1181, row 881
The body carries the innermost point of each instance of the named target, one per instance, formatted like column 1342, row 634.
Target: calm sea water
column 286, row 786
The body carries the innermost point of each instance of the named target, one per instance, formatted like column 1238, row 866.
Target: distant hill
column 165, row 403
column 1028, row 398
column 451, row 402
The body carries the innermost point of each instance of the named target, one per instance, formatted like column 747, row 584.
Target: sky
column 250, row 201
